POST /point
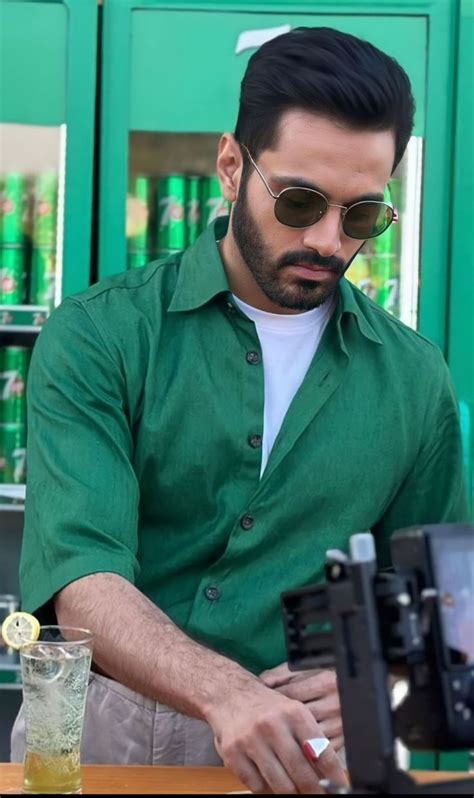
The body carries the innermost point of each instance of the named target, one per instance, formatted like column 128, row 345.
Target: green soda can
column 45, row 203
column 13, row 209
column 13, row 454
column 213, row 203
column 138, row 258
column 14, row 364
column 12, row 275
column 193, row 214
column 43, row 271
column 138, row 213
column 171, row 221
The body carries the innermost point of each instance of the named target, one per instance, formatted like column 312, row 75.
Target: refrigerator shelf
column 22, row 318
column 12, row 497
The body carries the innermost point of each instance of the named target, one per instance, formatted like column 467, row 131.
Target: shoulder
column 406, row 347
column 136, row 287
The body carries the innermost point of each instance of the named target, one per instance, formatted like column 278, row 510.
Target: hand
column 317, row 689
column 259, row 733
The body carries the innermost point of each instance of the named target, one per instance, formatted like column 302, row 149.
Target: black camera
column 415, row 621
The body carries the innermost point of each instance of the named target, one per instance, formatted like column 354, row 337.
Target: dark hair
column 326, row 72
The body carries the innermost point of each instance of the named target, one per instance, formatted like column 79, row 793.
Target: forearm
column 137, row 644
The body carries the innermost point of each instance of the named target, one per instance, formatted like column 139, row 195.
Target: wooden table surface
column 152, row 780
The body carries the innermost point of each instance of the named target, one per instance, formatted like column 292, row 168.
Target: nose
column 325, row 235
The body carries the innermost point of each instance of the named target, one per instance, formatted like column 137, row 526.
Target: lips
column 312, row 268
column 313, row 272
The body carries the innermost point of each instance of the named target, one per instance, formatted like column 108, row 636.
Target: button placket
column 252, row 357
column 212, row 592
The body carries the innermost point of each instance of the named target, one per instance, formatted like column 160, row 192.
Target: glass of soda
column 55, row 674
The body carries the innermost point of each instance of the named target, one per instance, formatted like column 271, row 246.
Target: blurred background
column 110, row 115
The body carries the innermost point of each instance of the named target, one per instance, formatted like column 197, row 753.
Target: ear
column 229, row 166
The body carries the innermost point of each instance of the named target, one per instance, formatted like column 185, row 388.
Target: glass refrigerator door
column 387, row 267
column 31, row 219
column 47, row 67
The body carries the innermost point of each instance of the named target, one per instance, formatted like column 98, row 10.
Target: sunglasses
column 302, row 207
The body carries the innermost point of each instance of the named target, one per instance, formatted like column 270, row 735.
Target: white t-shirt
column 289, row 343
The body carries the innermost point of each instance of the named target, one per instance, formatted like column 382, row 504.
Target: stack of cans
column 168, row 216
column 14, row 364
column 43, row 255
column 13, row 229
column 28, row 217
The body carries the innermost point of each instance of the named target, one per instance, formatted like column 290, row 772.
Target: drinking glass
column 55, row 674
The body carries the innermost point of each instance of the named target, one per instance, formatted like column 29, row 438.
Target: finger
column 319, row 685
column 337, row 743
column 248, row 774
column 276, row 676
column 331, row 728
column 273, row 757
column 301, row 772
column 328, row 766
column 324, row 708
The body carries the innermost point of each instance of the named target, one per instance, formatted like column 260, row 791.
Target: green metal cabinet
column 48, row 77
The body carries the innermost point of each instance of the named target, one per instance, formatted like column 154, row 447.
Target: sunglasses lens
column 367, row 219
column 299, row 207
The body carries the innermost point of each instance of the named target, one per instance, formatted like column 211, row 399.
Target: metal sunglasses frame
column 344, row 208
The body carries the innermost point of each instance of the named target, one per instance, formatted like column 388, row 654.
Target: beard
column 299, row 294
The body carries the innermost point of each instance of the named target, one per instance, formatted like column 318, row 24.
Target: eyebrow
column 300, row 182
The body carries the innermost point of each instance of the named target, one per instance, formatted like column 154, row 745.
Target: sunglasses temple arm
column 275, row 196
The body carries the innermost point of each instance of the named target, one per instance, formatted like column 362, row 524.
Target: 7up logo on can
column 171, row 202
column 213, row 203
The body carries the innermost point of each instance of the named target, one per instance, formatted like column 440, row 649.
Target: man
column 204, row 429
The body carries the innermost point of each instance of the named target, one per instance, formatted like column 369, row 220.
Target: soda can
column 14, row 364
column 13, row 454
column 171, row 221
column 13, row 209
column 45, row 202
column 138, row 258
column 138, row 213
column 42, row 277
column 12, row 275
column 193, row 211
column 213, row 203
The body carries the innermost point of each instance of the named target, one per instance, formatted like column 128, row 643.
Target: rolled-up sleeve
column 82, row 495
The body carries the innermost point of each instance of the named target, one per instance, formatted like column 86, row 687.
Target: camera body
column 414, row 621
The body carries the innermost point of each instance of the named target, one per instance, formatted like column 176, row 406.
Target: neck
column 241, row 281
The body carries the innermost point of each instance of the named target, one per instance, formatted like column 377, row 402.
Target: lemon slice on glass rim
column 19, row 629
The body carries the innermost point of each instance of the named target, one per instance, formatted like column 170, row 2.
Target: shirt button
column 230, row 307
column 246, row 522
column 252, row 357
column 255, row 441
column 212, row 593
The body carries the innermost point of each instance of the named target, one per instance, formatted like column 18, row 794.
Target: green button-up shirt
column 145, row 399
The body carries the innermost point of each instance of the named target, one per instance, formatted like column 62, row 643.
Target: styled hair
column 326, row 72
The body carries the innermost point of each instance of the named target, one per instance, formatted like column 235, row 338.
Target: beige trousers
column 124, row 727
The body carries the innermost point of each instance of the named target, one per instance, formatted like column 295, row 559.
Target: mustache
column 331, row 263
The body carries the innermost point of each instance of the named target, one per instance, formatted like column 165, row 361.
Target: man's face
column 296, row 269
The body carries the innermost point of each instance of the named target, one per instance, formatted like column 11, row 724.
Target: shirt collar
column 201, row 277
